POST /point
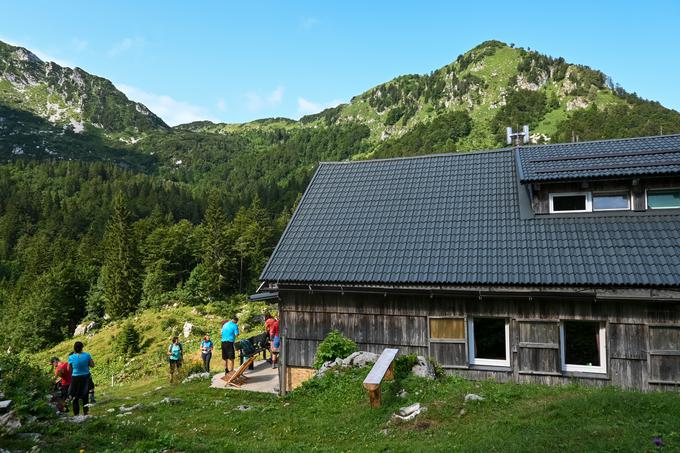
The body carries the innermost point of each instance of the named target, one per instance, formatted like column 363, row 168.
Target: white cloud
column 275, row 97
column 124, row 45
column 172, row 111
column 79, row 44
column 309, row 22
column 307, row 107
column 44, row 56
column 254, row 102
column 221, row 105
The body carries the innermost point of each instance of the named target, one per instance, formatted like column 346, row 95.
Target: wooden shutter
column 539, row 347
column 447, row 341
column 664, row 354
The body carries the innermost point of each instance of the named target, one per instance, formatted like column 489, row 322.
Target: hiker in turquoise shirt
column 175, row 357
column 229, row 334
column 79, row 364
column 206, row 352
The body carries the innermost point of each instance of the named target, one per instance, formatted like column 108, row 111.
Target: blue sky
column 235, row 62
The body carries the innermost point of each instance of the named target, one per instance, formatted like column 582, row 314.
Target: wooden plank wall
column 643, row 339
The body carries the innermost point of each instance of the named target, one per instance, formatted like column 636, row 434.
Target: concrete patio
column 262, row 379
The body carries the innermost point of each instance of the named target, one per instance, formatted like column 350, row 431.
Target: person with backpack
column 175, row 353
column 206, row 352
column 61, row 383
column 79, row 364
column 275, row 341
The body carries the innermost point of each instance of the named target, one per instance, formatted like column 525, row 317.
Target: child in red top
column 276, row 341
column 62, row 381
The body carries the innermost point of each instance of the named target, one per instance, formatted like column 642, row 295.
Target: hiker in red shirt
column 62, row 382
column 268, row 321
column 275, row 341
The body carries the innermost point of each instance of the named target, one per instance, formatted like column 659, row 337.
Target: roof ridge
column 425, row 156
column 604, row 140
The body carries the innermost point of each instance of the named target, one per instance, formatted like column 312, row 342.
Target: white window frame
column 613, row 192
column 602, row 368
column 471, row 344
column 589, row 201
column 657, row 189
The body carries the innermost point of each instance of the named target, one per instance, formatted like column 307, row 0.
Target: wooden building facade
column 547, row 264
column 640, row 350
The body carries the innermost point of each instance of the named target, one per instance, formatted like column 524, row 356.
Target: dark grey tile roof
column 604, row 158
column 455, row 219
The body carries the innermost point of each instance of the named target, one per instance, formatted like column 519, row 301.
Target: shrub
column 169, row 323
column 333, row 346
column 127, row 341
column 439, row 371
column 251, row 316
column 403, row 365
column 25, row 384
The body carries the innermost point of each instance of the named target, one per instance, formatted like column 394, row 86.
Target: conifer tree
column 121, row 269
column 127, row 342
column 217, row 249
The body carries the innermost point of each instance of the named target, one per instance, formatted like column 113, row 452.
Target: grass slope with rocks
column 333, row 414
column 156, row 328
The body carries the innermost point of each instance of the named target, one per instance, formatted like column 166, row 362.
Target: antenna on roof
column 517, row 137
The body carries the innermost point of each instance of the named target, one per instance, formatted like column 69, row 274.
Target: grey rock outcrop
column 196, row 376
column 423, row 368
column 360, row 359
column 186, row 330
column 9, row 423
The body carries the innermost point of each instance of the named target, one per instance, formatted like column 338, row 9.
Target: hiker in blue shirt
column 206, row 352
column 229, row 334
column 79, row 364
column 175, row 353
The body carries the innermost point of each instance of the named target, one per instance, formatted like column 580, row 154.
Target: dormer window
column 589, row 202
column 663, row 199
column 570, row 202
column 611, row 201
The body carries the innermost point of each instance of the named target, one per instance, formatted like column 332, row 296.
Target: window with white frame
column 663, row 199
column 589, row 202
column 489, row 341
column 583, row 346
column 570, row 202
column 611, row 201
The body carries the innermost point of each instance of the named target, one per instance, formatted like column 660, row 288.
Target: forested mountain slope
column 104, row 209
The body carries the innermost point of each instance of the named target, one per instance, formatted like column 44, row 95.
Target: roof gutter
column 483, row 292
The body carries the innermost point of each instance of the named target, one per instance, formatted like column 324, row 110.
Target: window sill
column 506, row 369
column 584, row 375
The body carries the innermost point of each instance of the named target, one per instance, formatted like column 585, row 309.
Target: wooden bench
column 383, row 369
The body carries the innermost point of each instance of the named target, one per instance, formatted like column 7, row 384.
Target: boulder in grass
column 329, row 366
column 186, row 330
column 473, row 397
column 80, row 330
column 196, row 376
column 408, row 410
column 408, row 413
column 9, row 423
column 130, row 408
column 168, row 400
column 364, row 358
column 4, row 405
column 423, row 368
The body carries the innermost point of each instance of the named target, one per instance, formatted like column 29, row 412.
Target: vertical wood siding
column 643, row 339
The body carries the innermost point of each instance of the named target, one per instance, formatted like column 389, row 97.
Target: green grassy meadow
column 333, row 414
